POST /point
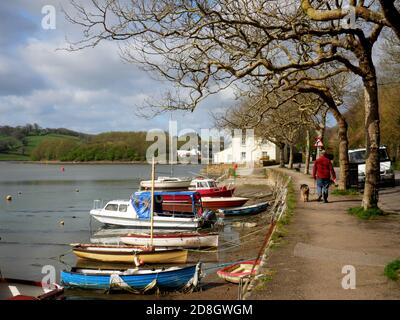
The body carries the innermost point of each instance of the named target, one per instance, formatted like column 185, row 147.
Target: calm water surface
column 43, row 195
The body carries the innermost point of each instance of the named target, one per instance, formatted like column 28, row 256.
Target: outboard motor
column 210, row 218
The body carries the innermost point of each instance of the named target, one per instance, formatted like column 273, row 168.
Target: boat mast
column 152, row 203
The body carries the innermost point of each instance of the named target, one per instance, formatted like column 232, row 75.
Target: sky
column 90, row 91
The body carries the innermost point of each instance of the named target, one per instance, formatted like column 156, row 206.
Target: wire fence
column 278, row 210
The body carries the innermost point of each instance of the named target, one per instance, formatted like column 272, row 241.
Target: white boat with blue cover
column 136, row 212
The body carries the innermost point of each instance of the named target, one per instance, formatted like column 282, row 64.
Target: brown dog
column 305, row 192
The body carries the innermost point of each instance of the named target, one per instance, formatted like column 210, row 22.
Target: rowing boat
column 173, row 239
column 134, row 280
column 17, row 289
column 129, row 254
column 247, row 210
column 235, row 272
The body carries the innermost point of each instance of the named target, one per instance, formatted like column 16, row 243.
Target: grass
column 32, row 143
column 281, row 230
column 366, row 214
column 392, row 270
column 348, row 192
column 264, row 278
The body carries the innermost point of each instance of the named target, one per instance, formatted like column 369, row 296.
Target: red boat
column 182, row 204
column 206, row 188
column 209, row 188
column 223, row 202
column 17, row 289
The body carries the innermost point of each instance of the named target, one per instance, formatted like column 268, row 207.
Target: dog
column 305, row 192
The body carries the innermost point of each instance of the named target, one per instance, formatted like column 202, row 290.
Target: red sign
column 318, row 143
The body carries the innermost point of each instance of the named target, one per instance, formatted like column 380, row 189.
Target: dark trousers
column 323, row 187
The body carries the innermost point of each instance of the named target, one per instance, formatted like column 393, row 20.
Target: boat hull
column 118, row 255
column 173, row 240
column 235, row 272
column 222, row 202
column 159, row 222
column 17, row 289
column 248, row 210
column 138, row 281
column 166, row 185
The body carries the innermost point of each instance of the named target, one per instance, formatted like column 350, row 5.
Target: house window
column 243, row 156
column 243, row 140
column 265, row 154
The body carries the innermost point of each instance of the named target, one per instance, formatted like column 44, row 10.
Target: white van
column 357, row 156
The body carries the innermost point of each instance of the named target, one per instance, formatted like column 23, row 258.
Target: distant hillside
column 34, row 143
column 18, row 143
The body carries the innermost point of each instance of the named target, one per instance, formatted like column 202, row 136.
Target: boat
column 209, row 188
column 181, row 203
column 176, row 239
column 166, row 183
column 222, row 202
column 134, row 280
column 247, row 210
column 17, row 289
column 107, row 235
column 136, row 212
column 129, row 254
column 235, row 272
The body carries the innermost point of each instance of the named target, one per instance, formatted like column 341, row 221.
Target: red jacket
column 323, row 168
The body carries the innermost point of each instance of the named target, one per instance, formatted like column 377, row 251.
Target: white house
column 248, row 149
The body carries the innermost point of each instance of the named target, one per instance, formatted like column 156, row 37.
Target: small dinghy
column 247, row 210
column 166, row 183
column 134, row 280
column 129, row 254
column 17, row 289
column 237, row 271
column 173, row 239
column 213, row 203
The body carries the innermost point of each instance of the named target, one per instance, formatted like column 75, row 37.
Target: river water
column 31, row 235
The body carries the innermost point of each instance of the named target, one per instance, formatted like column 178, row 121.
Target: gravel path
column 322, row 239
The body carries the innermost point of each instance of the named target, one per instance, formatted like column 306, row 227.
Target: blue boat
column 134, row 280
column 247, row 210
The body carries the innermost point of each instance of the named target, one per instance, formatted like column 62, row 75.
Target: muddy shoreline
column 214, row 288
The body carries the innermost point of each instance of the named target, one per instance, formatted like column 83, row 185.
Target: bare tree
column 205, row 46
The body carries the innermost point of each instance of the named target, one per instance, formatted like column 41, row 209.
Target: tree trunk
column 308, row 146
column 343, row 148
column 372, row 137
column 281, row 155
column 372, row 132
column 291, row 149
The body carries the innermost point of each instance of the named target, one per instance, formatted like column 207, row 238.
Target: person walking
column 323, row 173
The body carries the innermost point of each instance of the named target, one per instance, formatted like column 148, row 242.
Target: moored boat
column 222, row 202
column 136, row 212
column 209, row 188
column 174, row 239
column 166, row 183
column 17, row 289
column 129, row 254
column 247, row 210
column 235, row 272
column 134, row 280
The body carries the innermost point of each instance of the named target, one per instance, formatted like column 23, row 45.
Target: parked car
column 387, row 176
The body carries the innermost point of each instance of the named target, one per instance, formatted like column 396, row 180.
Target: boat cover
column 141, row 201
